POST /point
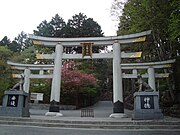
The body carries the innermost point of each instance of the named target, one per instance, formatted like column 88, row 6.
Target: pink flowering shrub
column 77, row 88
column 74, row 80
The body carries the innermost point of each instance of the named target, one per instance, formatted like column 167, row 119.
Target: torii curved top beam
column 161, row 64
column 101, row 41
column 30, row 66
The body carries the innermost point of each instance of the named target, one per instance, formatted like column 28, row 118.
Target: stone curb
column 91, row 124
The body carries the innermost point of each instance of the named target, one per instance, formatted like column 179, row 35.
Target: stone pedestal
column 146, row 106
column 15, row 104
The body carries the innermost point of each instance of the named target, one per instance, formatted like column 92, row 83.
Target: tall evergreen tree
column 91, row 28
column 81, row 26
column 14, row 46
column 78, row 26
column 23, row 41
column 174, row 25
column 58, row 25
column 5, row 41
column 44, row 29
column 141, row 15
column 54, row 28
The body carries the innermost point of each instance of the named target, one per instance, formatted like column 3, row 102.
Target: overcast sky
column 26, row 15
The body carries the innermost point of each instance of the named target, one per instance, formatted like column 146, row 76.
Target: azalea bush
column 73, row 79
column 77, row 85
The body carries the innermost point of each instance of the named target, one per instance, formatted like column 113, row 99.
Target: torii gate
column 59, row 43
column 151, row 75
column 150, row 66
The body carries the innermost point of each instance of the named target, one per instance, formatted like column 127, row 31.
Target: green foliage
column 101, row 68
column 160, row 16
column 54, row 28
column 174, row 27
column 44, row 29
column 81, row 26
column 27, row 56
column 89, row 91
column 177, row 73
column 78, row 26
column 5, row 71
column 23, row 41
column 5, row 53
column 18, row 44
column 14, row 46
column 42, row 86
column 5, row 41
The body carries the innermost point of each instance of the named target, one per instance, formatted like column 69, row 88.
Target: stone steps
column 94, row 124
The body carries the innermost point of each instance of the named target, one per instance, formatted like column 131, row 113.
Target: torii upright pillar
column 56, row 83
column 26, row 84
column 151, row 78
column 118, row 105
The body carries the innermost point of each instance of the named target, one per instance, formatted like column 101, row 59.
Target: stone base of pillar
column 118, row 107
column 118, row 115
column 54, row 106
column 54, row 114
column 118, row 110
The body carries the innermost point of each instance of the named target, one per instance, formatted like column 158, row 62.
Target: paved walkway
column 102, row 110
